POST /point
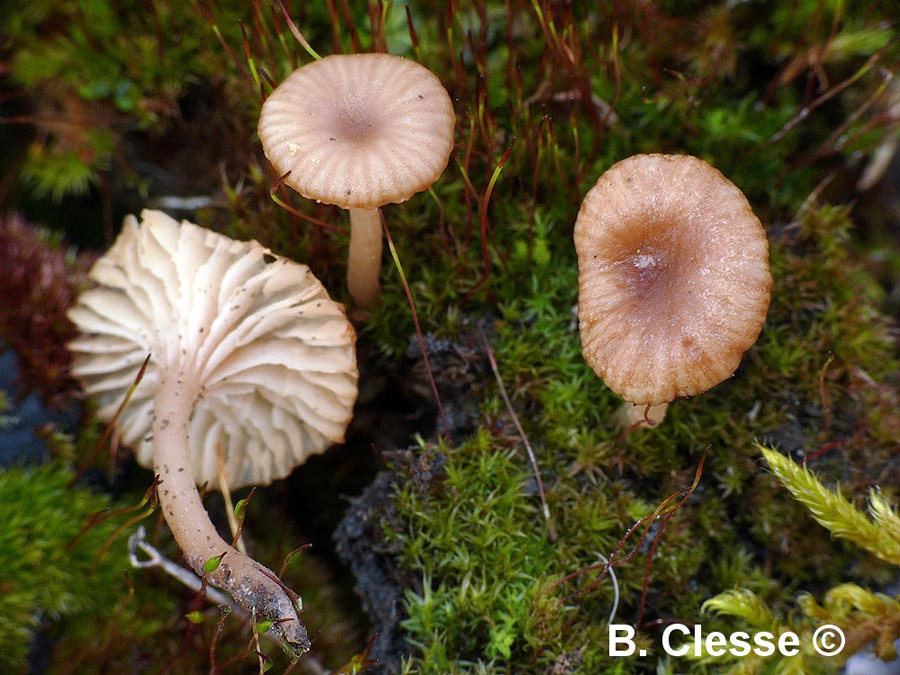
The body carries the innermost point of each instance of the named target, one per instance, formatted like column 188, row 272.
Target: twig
column 531, row 458
column 137, row 541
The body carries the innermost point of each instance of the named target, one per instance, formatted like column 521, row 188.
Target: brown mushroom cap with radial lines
column 673, row 277
column 359, row 130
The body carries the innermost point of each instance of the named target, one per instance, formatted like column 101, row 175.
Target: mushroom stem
column 364, row 257
column 630, row 417
column 253, row 586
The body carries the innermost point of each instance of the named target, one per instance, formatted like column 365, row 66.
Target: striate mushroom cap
column 673, row 277
column 359, row 130
column 274, row 354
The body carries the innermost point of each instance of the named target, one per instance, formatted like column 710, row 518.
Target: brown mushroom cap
column 673, row 277
column 359, row 130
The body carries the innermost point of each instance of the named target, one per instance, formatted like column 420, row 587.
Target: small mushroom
column 359, row 131
column 247, row 354
column 673, row 277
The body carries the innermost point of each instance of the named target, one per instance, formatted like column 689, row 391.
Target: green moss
column 484, row 552
column 482, row 529
column 824, row 328
column 863, row 617
column 45, row 574
column 807, row 385
column 97, row 70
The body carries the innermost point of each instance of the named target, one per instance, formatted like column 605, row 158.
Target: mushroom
column 359, row 131
column 673, row 277
column 248, row 357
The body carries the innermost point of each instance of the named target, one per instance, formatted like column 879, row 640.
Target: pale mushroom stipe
column 248, row 353
column 359, row 131
column 673, row 277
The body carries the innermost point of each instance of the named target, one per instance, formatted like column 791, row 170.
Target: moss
column 863, row 617
column 480, row 592
column 47, row 574
column 736, row 529
column 91, row 67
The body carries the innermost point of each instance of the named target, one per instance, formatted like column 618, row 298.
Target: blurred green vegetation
column 131, row 102
column 48, row 571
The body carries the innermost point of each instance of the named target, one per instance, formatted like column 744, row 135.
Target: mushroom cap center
column 653, row 264
column 644, row 267
column 355, row 122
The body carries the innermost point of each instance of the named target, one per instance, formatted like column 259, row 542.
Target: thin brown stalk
column 669, row 505
column 515, row 418
column 804, row 112
column 112, row 424
column 484, row 223
column 823, row 395
column 103, row 516
column 419, row 336
column 289, row 556
column 224, row 613
column 299, row 214
column 124, row 526
column 207, row 14
column 296, row 32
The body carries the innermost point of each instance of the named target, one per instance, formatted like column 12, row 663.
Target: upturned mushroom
column 247, row 354
column 673, row 277
column 359, row 131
